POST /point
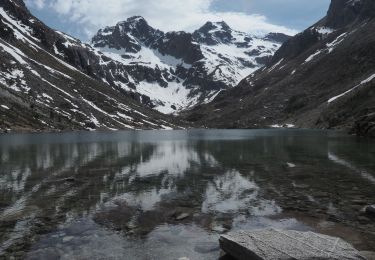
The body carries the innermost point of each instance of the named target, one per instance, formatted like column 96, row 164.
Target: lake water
column 170, row 194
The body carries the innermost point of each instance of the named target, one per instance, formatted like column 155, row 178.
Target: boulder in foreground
column 272, row 244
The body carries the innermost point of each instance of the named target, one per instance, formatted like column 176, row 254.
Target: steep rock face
column 277, row 37
column 181, row 46
column 321, row 78
column 43, row 87
column 214, row 33
column 116, row 37
column 187, row 69
column 343, row 12
column 297, row 45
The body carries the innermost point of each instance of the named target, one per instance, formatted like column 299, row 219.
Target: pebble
column 291, row 165
column 67, row 239
column 182, row 216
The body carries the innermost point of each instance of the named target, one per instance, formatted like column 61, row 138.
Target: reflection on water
column 366, row 175
column 168, row 195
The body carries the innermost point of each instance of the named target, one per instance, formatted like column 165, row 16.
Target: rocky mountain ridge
column 177, row 70
column 47, row 82
column 320, row 78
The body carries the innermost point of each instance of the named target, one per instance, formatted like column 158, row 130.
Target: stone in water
column 272, row 244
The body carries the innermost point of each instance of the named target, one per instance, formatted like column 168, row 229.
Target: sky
column 83, row 18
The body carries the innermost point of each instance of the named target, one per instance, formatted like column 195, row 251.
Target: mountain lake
column 170, row 194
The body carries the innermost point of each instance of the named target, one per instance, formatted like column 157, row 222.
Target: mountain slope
column 44, row 82
column 323, row 77
column 177, row 70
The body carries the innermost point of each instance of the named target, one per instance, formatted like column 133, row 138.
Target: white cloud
column 167, row 15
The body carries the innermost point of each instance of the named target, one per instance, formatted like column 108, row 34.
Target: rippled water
column 169, row 195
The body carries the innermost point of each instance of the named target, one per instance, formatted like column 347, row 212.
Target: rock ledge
column 272, row 244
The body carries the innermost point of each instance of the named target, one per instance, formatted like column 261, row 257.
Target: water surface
column 170, row 194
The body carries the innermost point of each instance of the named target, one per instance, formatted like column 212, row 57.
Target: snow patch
column 324, row 30
column 311, row 57
column 276, row 65
column 283, row 126
column 15, row 53
column 372, row 77
column 332, row 45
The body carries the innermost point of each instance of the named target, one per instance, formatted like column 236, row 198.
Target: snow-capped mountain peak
column 177, row 70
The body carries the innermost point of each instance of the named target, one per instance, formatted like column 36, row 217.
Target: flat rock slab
column 272, row 244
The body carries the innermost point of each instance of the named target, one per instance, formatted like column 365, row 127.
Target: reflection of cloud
column 232, row 192
column 145, row 200
column 172, row 157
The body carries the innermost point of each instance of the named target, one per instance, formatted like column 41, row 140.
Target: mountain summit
column 214, row 33
column 121, row 36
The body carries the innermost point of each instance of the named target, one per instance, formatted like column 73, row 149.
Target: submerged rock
column 70, row 179
column 206, row 247
column 370, row 210
column 275, row 244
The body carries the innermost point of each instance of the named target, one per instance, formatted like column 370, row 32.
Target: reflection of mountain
column 173, row 158
column 357, row 163
column 129, row 182
column 366, row 175
column 61, row 179
column 233, row 193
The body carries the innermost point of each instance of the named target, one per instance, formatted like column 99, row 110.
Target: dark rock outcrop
column 344, row 12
